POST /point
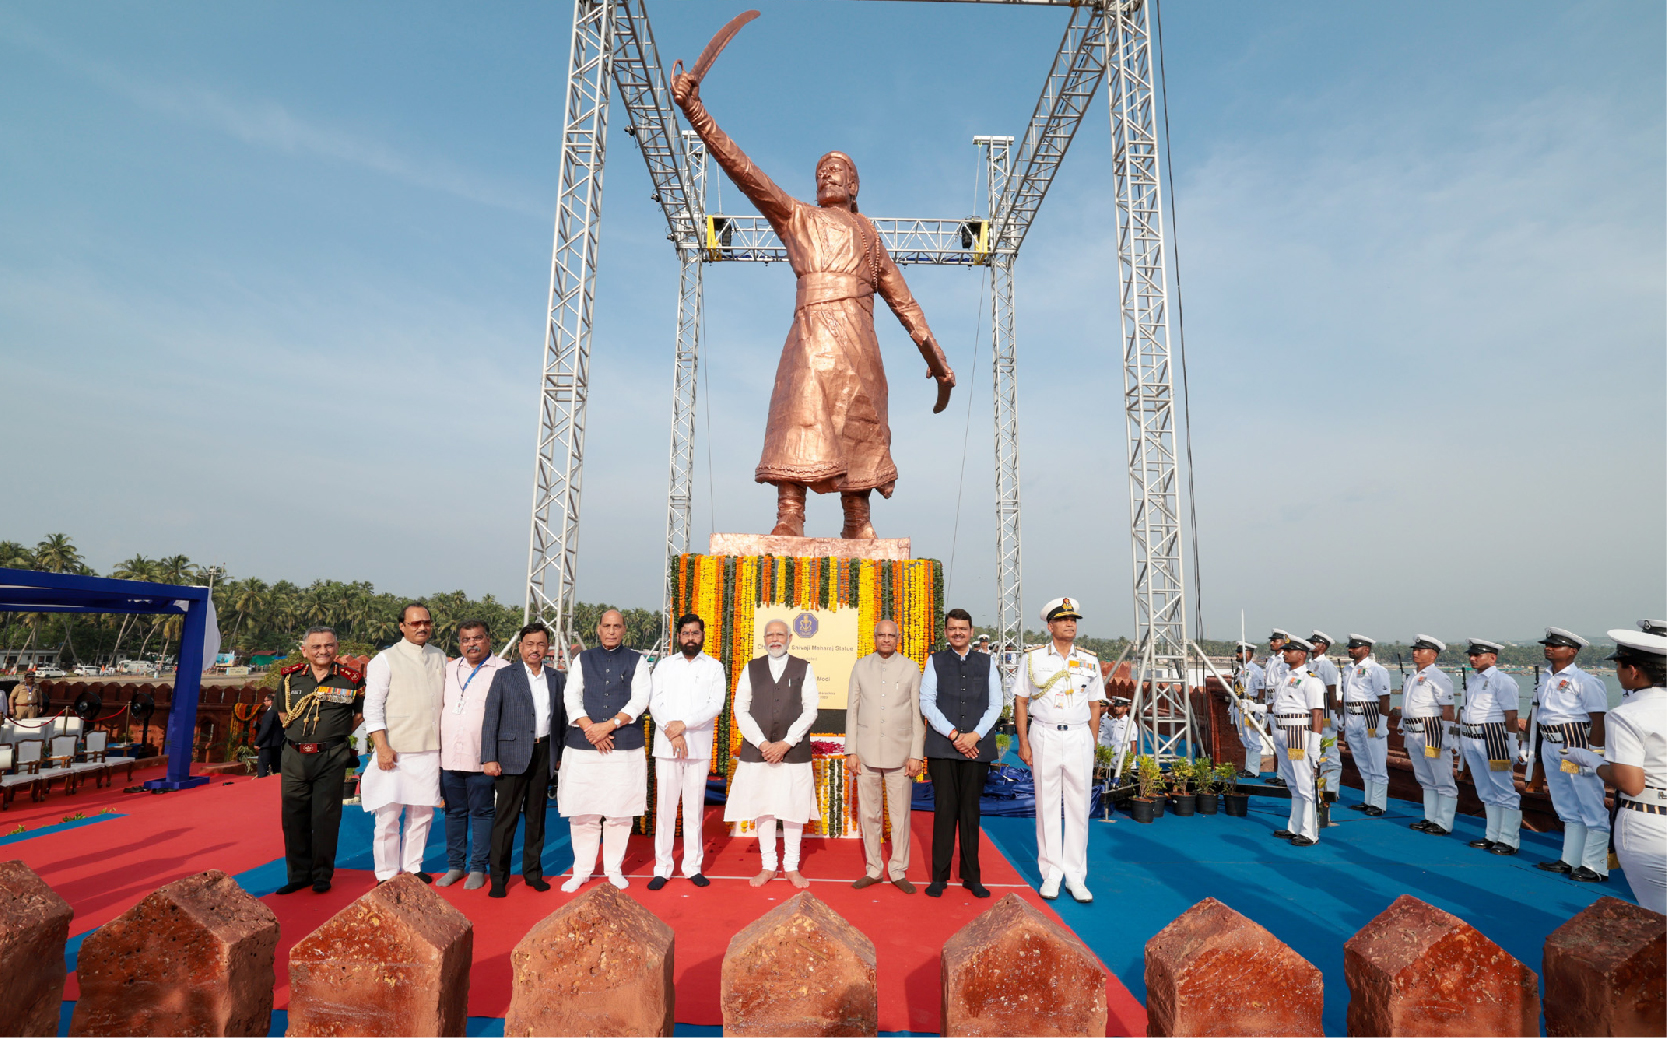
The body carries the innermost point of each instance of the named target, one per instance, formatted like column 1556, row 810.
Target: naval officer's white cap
column 1481, row 645
column 1321, row 636
column 1299, row 643
column 1279, row 632
column 1568, row 639
column 1245, row 645
column 1361, row 641
column 1062, row 609
column 1424, row 641
column 1635, row 643
column 1656, row 627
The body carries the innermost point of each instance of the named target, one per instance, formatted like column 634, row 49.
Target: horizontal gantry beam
column 953, row 242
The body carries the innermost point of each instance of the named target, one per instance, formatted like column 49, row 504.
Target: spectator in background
column 269, row 740
column 27, row 698
column 467, row 790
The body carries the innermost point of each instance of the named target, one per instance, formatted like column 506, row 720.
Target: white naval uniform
column 1298, row 694
column 1568, row 696
column 1331, row 757
column 1061, row 754
column 1423, row 695
column 1487, row 697
column 765, row 793
column 600, row 793
column 1636, row 734
column 1250, row 686
column 691, row 691
column 1364, row 683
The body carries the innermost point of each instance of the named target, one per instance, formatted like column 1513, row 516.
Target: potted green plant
column 1147, row 804
column 1206, row 783
column 1237, row 804
column 1181, row 799
column 1003, row 741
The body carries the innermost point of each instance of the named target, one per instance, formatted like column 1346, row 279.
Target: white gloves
column 1313, row 746
column 1583, row 757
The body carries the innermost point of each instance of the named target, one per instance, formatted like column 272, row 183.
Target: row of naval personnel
column 1289, row 700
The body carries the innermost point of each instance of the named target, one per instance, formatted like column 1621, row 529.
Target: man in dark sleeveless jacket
column 603, row 782
column 775, row 705
column 960, row 698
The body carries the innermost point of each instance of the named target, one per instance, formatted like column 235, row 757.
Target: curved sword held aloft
column 713, row 49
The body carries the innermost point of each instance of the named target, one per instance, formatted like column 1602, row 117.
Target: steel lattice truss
column 612, row 39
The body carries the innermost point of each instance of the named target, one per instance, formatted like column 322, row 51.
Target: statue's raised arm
column 828, row 429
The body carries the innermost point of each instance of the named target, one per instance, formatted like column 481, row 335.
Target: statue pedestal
column 883, row 548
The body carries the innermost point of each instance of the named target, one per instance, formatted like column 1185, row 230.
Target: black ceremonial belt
column 1649, row 809
column 1434, row 727
column 1568, row 733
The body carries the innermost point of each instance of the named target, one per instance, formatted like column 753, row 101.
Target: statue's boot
column 857, row 526
column 790, row 510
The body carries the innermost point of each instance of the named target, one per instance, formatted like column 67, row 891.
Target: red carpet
column 103, row 868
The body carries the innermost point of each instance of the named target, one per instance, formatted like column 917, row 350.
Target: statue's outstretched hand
column 684, row 89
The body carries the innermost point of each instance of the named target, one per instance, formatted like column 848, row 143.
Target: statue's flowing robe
column 828, row 426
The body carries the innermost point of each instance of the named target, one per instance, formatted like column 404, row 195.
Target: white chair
column 94, row 762
column 29, row 754
column 96, row 745
column 8, row 757
column 13, row 777
column 69, row 724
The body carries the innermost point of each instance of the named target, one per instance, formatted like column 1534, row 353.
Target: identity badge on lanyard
column 463, row 694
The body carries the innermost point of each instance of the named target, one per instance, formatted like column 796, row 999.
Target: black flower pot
column 1238, row 804
column 1184, row 804
column 1157, row 807
column 1208, row 803
column 1141, row 810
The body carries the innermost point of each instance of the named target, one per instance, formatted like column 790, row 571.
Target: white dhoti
column 412, row 789
column 1371, row 757
column 679, row 781
column 1062, row 762
column 1641, row 845
column 599, row 794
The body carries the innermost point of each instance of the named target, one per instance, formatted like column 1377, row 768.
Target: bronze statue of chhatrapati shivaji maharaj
column 828, row 429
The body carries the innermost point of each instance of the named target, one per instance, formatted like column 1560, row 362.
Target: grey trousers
column 869, row 815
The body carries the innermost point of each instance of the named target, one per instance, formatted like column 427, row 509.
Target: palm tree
column 15, row 556
column 136, row 568
column 246, row 597
column 58, row 554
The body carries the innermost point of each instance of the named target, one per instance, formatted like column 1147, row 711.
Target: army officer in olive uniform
column 319, row 703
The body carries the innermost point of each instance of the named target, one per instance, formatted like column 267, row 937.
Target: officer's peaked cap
column 1062, row 609
column 1321, row 636
column 1568, row 639
column 1357, row 641
column 1634, row 643
column 1298, row 643
column 1424, row 641
column 1481, row 645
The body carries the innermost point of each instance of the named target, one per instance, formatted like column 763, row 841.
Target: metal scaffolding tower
column 612, row 40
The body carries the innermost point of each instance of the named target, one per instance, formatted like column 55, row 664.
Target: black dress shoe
column 538, row 883
column 1586, row 875
column 1435, row 830
column 1485, row 845
column 700, row 880
column 1559, row 865
column 1357, row 807
column 977, row 889
column 1283, row 834
column 321, row 887
column 290, row 888
column 1374, row 812
column 1420, row 825
column 1302, row 841
column 1502, row 848
column 1276, row 781
column 935, row 889
column 657, row 883
column 425, row 877
column 498, row 890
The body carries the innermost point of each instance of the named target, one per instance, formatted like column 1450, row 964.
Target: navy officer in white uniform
column 1568, row 709
column 1637, row 764
column 1426, row 714
column 1249, row 684
column 1056, row 708
column 1366, row 723
column 1299, row 717
column 1487, row 738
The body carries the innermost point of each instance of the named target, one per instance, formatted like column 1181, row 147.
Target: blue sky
column 272, row 280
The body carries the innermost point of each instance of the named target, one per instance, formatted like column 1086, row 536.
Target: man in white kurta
column 1057, row 712
column 775, row 705
column 404, row 687
column 687, row 697
column 603, row 781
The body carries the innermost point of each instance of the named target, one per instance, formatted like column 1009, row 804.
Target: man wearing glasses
column 404, row 691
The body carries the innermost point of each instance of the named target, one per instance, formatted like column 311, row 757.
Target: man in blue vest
column 603, row 782
column 960, row 698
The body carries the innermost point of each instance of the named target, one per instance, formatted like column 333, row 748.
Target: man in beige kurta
column 828, row 428
column 883, row 736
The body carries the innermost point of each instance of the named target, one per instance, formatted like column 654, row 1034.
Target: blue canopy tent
column 29, row 591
